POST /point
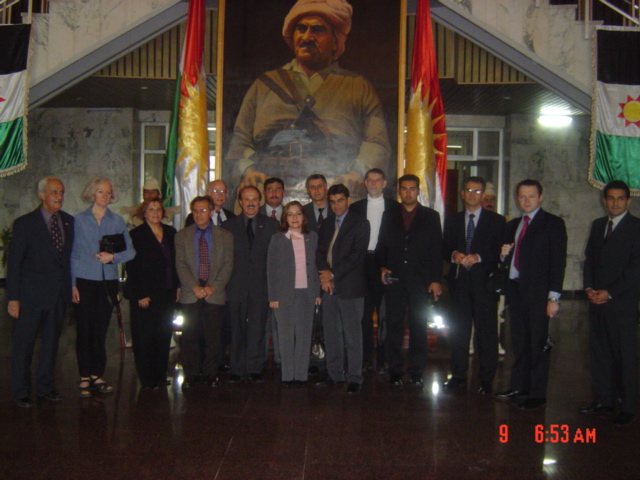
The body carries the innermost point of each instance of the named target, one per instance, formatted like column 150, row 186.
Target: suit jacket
column 487, row 242
column 281, row 268
column 312, row 223
column 543, row 255
column 35, row 275
column 146, row 273
column 249, row 278
column 348, row 254
column 221, row 264
column 415, row 257
column 190, row 221
column 615, row 265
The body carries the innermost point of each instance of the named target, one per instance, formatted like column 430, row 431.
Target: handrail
column 618, row 10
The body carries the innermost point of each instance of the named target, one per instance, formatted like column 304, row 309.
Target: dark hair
column 337, row 190
column 284, row 226
column 202, row 198
column 271, row 180
column 376, row 171
column 315, row 176
column 241, row 191
column 479, row 180
column 144, row 206
column 409, row 178
column 616, row 185
column 529, row 183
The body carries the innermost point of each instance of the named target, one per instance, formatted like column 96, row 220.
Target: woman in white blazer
column 294, row 290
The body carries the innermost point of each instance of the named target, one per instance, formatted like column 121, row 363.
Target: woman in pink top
column 294, row 289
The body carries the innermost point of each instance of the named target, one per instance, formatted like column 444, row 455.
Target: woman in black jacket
column 153, row 289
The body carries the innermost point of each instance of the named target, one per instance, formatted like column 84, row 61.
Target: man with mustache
column 39, row 290
column 310, row 115
column 273, row 195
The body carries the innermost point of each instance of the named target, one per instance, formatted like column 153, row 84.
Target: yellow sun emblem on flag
column 630, row 111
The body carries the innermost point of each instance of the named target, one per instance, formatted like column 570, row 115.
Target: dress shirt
column 325, row 210
column 466, row 224
column 615, row 221
column 270, row 209
column 223, row 217
column 253, row 223
column 375, row 209
column 86, row 244
column 47, row 219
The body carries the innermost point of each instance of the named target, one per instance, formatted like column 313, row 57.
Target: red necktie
column 273, row 214
column 516, row 259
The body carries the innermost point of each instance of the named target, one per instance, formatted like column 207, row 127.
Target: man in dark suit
column 217, row 191
column 409, row 252
column 247, row 290
column 372, row 207
column 317, row 210
column 612, row 281
column 536, row 252
column 204, row 261
column 273, row 196
column 39, row 290
column 342, row 247
column 472, row 243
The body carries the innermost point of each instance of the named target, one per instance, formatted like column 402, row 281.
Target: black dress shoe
column 485, row 388
column 328, row 382
column 623, row 419
column 532, row 403
column 52, row 396
column 288, row 383
column 256, row 377
column 416, row 380
column 313, row 370
column 301, row 383
column 509, row 394
column 24, row 402
column 213, row 382
column 595, row 409
column 455, row 382
column 353, row 388
column 234, row 378
column 395, row 380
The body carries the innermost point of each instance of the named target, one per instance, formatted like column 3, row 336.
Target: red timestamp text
column 555, row 433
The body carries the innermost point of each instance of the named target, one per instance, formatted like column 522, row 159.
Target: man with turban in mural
column 310, row 115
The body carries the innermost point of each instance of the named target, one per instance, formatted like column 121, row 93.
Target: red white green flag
column 187, row 159
column 14, row 91
column 426, row 148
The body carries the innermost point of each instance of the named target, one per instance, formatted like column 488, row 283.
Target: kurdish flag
column 13, row 98
column 615, row 126
column 426, row 129
column 187, row 159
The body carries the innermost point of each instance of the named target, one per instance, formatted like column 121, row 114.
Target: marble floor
column 266, row 431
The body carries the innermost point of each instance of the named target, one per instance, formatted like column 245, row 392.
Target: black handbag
column 113, row 243
column 317, row 340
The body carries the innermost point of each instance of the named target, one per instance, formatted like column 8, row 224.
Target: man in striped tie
column 536, row 252
column 273, row 196
column 472, row 242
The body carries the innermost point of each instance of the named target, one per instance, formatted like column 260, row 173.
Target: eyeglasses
column 223, row 192
column 200, row 210
column 473, row 190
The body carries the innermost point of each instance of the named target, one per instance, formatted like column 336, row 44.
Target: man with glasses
column 217, row 191
column 472, row 243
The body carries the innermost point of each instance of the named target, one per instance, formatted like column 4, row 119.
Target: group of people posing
column 227, row 269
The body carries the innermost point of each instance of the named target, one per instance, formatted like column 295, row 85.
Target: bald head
column 218, row 192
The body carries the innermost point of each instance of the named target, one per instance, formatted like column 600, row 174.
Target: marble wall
column 551, row 32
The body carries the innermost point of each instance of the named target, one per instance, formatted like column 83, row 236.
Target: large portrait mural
column 309, row 86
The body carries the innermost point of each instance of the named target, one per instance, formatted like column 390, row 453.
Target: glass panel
column 153, row 163
column 488, row 144
column 154, row 137
column 460, row 143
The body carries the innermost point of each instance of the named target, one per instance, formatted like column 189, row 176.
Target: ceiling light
column 555, row 120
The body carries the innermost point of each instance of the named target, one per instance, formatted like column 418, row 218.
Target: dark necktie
column 204, row 265
column 609, row 230
column 471, row 229
column 250, row 234
column 273, row 214
column 219, row 221
column 516, row 258
column 320, row 217
column 56, row 234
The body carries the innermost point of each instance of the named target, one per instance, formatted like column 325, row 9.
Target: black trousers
column 529, row 333
column 413, row 304
column 473, row 305
column 93, row 315
column 201, row 320
column 151, row 330
column 47, row 322
column 248, row 326
column 372, row 302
